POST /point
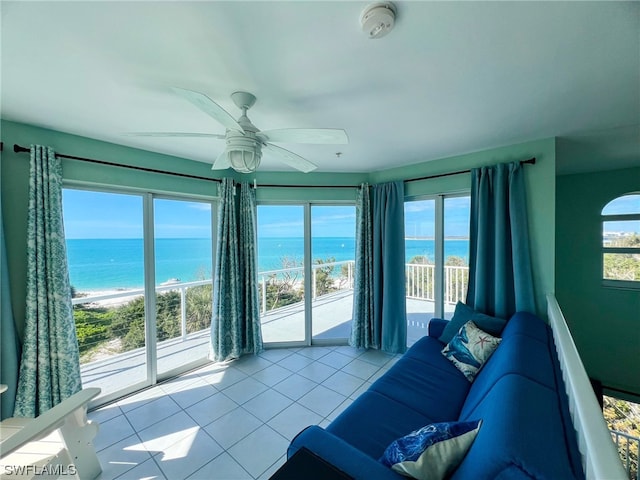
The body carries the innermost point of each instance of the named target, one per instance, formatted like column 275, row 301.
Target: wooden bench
column 56, row 444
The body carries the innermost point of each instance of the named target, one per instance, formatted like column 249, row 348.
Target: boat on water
column 171, row 281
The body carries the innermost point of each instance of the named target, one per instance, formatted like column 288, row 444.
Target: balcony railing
column 277, row 288
column 180, row 287
column 628, row 447
column 291, row 279
column 421, row 283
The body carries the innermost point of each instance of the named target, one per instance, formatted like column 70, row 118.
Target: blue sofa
column 519, row 394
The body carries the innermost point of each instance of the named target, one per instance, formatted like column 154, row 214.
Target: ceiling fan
column 245, row 141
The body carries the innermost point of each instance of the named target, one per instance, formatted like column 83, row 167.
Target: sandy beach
column 107, row 298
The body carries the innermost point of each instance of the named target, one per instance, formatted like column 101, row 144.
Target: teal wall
column 15, row 168
column 604, row 321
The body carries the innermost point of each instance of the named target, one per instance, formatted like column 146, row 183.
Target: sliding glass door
column 183, row 251
column 437, row 256
column 281, row 273
column 456, row 211
column 420, row 267
column 140, row 270
column 105, row 249
column 305, row 272
column 332, row 264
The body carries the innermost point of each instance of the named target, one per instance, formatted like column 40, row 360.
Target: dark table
column 306, row 465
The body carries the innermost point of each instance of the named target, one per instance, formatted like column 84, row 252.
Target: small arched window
column 621, row 242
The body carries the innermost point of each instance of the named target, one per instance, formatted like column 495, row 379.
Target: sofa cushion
column 522, row 426
column 421, row 379
column 464, row 313
column 431, row 452
column 517, row 354
column 470, row 348
column 373, row 421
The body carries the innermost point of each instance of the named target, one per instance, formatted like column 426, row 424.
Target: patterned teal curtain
column 50, row 365
column 235, row 326
column 380, row 318
column 9, row 344
column 363, row 331
column 500, row 278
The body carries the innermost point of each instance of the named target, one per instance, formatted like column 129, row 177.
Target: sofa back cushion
column 517, row 354
column 525, row 323
column 522, row 430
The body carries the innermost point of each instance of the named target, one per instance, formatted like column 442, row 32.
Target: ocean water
column 104, row 264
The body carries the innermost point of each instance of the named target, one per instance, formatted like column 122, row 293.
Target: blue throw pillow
column 462, row 314
column 470, row 348
column 432, row 452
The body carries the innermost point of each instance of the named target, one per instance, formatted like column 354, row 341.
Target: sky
column 114, row 215
column 419, row 217
column 620, row 206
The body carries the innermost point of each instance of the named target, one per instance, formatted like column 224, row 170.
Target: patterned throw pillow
column 432, row 452
column 470, row 348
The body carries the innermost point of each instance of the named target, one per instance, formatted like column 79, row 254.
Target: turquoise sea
column 105, row 264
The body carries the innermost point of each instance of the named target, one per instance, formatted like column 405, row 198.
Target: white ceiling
column 451, row 78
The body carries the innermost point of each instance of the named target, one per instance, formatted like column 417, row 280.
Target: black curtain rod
column 530, row 161
column 18, row 149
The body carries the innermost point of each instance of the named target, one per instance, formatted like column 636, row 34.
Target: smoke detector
column 378, row 19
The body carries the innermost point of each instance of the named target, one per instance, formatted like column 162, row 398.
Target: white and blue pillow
column 470, row 348
column 432, row 452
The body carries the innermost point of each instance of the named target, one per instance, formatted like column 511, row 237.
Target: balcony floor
column 285, row 324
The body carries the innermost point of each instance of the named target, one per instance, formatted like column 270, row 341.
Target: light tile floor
column 231, row 421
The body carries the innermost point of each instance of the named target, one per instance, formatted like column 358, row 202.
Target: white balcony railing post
column 264, row 294
column 183, row 311
column 313, row 282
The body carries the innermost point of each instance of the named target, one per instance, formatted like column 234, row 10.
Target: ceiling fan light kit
column 243, row 152
column 378, row 19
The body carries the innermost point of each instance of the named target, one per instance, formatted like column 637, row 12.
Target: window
column 437, row 259
column 621, row 242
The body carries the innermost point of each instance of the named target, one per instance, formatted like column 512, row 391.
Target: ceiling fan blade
column 334, row 136
column 176, row 134
column 222, row 162
column 209, row 107
column 292, row 159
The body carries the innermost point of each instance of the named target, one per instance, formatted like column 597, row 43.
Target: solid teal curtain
column 10, row 346
column 50, row 365
column 500, row 277
column 380, row 319
column 363, row 331
column 235, row 326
